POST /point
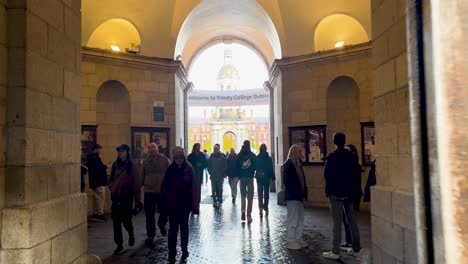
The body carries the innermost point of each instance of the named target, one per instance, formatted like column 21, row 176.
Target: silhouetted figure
column 295, row 192
column 180, row 196
column 125, row 186
column 340, row 189
column 217, row 168
column 246, row 168
column 356, row 196
column 232, row 173
column 199, row 163
column 264, row 174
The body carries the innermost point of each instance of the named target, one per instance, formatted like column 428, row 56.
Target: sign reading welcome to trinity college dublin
column 228, row 98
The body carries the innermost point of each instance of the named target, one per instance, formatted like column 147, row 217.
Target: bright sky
column 205, row 68
column 252, row 69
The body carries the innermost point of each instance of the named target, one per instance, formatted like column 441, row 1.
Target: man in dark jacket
column 199, row 163
column 217, row 167
column 246, row 168
column 97, row 172
column 339, row 188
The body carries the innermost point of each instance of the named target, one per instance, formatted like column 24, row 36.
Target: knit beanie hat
column 178, row 150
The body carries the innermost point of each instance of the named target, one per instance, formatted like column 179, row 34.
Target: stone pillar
column 44, row 214
column 442, row 37
column 392, row 201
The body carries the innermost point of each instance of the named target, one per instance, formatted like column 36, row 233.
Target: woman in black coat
column 295, row 193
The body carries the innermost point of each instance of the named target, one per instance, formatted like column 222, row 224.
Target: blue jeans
column 295, row 220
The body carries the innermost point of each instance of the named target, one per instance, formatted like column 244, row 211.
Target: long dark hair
column 127, row 164
column 354, row 151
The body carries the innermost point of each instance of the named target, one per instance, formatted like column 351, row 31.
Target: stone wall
column 144, row 81
column 44, row 214
column 3, row 84
column 305, row 82
column 393, row 220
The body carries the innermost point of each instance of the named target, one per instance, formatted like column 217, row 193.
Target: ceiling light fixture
column 339, row 44
column 115, row 48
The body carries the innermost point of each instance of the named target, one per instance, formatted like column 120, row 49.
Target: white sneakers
column 293, row 246
column 330, row 255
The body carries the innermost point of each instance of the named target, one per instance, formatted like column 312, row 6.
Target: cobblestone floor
column 217, row 235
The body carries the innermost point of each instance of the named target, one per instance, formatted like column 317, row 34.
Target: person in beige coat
column 153, row 169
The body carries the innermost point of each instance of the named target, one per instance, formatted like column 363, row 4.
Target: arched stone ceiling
column 245, row 20
column 160, row 22
column 114, row 32
column 337, row 28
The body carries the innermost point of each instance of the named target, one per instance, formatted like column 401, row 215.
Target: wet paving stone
column 218, row 235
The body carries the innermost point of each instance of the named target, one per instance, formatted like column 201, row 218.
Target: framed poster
column 143, row 136
column 312, row 139
column 367, row 143
column 88, row 140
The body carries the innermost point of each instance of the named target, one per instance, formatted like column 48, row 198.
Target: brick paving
column 217, row 235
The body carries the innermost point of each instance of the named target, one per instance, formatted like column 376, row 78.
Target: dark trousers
column 153, row 201
column 121, row 215
column 340, row 206
column 200, row 183
column 263, row 191
column 178, row 220
column 217, row 188
column 357, row 203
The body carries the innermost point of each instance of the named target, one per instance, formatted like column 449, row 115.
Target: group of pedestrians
column 238, row 168
column 173, row 189
column 169, row 187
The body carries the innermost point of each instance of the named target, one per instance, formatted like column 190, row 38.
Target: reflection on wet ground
column 217, row 235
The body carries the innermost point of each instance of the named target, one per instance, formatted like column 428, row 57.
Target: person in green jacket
column 264, row 174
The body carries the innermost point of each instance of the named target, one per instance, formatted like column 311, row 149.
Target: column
column 44, row 214
column 392, row 201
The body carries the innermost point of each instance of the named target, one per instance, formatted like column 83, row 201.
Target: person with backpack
column 246, row 167
column 264, row 174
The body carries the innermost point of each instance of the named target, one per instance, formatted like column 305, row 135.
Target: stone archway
column 229, row 141
column 112, row 117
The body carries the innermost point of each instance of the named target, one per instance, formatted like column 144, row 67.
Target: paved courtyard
column 217, row 235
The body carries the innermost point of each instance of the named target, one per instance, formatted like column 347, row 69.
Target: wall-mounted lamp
column 115, row 48
column 339, row 44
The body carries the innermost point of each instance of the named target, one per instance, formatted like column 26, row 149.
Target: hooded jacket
column 246, row 163
column 153, row 171
column 97, row 171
